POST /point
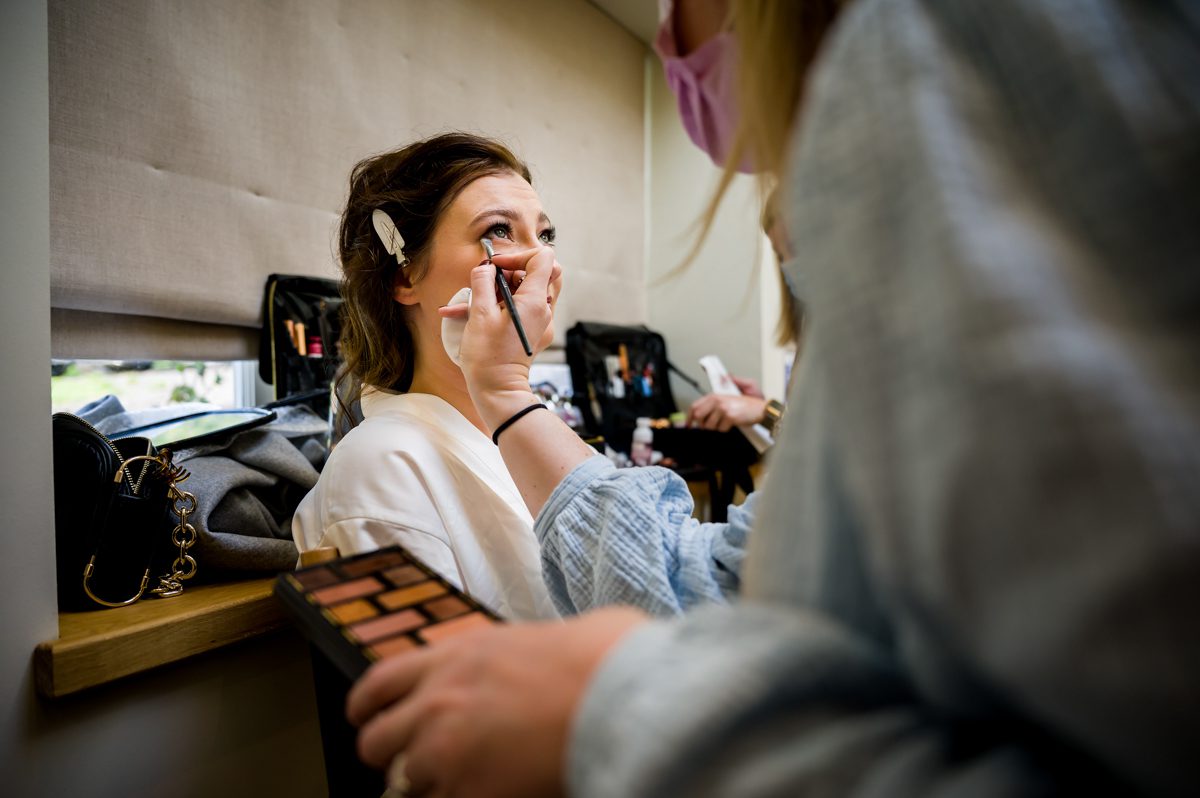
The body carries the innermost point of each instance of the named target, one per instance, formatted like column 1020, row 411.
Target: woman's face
column 502, row 207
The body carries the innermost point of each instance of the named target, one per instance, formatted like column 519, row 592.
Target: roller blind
column 198, row 147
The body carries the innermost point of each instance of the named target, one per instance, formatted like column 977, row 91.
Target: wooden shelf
column 97, row 647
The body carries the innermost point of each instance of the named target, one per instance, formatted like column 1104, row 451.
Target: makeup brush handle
column 512, row 309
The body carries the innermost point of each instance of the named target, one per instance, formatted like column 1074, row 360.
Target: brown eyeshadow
column 388, row 625
column 347, row 590
column 369, row 564
column 405, row 575
column 410, row 595
column 447, row 607
column 393, row 646
column 319, row 577
column 441, row 631
column 353, row 611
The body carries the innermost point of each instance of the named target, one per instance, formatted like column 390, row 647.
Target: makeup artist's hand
column 494, row 364
column 486, row 713
column 723, row 412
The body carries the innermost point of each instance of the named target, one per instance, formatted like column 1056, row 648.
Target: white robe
column 417, row 473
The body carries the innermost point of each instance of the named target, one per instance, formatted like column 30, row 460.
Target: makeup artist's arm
column 607, row 536
column 487, row 712
column 627, row 536
column 539, row 449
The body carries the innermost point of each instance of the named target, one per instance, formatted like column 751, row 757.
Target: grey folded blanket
column 247, row 486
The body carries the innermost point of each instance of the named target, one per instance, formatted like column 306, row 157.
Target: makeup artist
column 976, row 564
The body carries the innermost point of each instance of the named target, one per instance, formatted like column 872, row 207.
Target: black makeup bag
column 115, row 522
column 298, row 349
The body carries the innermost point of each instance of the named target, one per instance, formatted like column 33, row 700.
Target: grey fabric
column 975, row 569
column 247, row 486
column 250, row 491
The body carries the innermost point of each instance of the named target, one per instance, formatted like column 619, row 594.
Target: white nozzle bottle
column 643, row 443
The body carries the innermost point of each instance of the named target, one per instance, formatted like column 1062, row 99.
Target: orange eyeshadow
column 347, row 590
column 320, row 577
column 405, row 575
column 396, row 645
column 411, row 595
column 388, row 625
column 353, row 611
column 447, row 607
column 441, row 631
column 369, row 564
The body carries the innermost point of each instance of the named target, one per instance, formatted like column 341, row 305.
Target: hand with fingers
column 723, row 412
column 493, row 361
column 486, row 713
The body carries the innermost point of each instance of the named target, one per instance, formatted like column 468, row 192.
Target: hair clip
column 388, row 233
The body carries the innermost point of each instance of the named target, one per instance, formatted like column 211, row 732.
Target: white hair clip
column 386, row 229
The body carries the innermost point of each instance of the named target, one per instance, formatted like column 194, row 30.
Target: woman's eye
column 499, row 231
column 546, row 237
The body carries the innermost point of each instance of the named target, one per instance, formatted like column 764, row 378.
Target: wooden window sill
column 97, row 647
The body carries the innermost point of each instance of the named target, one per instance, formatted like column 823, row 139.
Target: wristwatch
column 772, row 414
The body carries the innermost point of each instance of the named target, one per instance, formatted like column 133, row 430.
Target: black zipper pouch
column 112, row 516
column 298, row 348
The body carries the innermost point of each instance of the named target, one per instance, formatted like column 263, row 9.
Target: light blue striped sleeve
column 627, row 536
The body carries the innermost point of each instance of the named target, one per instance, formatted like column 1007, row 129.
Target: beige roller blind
column 198, row 147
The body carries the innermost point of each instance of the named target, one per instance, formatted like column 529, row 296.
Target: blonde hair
column 791, row 310
column 777, row 41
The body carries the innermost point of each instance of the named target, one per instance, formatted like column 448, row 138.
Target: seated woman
column 420, row 469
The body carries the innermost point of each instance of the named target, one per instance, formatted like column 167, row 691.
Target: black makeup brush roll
column 298, row 350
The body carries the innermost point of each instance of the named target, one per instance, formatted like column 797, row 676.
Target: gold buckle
column 87, row 575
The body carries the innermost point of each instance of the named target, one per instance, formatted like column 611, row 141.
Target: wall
column 725, row 299
column 27, row 526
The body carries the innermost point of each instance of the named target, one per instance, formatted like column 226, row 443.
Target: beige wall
column 27, row 589
column 726, row 299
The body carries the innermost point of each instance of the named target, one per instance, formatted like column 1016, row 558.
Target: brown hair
column 414, row 185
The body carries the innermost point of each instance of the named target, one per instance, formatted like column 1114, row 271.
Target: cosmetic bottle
column 643, row 443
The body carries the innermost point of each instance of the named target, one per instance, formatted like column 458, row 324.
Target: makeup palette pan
column 360, row 609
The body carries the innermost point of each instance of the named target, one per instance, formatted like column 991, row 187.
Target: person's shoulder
column 383, row 432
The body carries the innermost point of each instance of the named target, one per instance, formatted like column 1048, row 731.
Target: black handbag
column 115, row 510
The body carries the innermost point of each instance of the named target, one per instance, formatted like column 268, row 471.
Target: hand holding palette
column 363, row 608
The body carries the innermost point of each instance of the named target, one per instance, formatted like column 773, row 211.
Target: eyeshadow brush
column 502, row 284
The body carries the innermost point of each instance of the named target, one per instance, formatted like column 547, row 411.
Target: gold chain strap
column 183, row 535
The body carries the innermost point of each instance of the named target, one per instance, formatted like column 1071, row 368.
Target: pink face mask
column 704, row 85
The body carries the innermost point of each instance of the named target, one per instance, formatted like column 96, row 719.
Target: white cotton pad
column 452, row 329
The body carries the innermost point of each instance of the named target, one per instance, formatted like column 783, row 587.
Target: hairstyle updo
column 414, row 185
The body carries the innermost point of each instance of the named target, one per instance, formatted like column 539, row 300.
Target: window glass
column 143, row 384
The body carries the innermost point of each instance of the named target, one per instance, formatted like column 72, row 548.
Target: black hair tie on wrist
column 513, row 419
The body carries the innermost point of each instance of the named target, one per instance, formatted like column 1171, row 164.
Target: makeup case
column 620, row 373
column 298, row 352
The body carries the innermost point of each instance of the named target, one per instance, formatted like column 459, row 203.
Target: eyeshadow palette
column 363, row 608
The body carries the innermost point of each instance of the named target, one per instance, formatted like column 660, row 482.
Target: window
column 143, row 384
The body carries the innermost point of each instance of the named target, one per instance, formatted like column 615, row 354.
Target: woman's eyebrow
column 508, row 213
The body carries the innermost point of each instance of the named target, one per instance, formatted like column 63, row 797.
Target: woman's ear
column 403, row 290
